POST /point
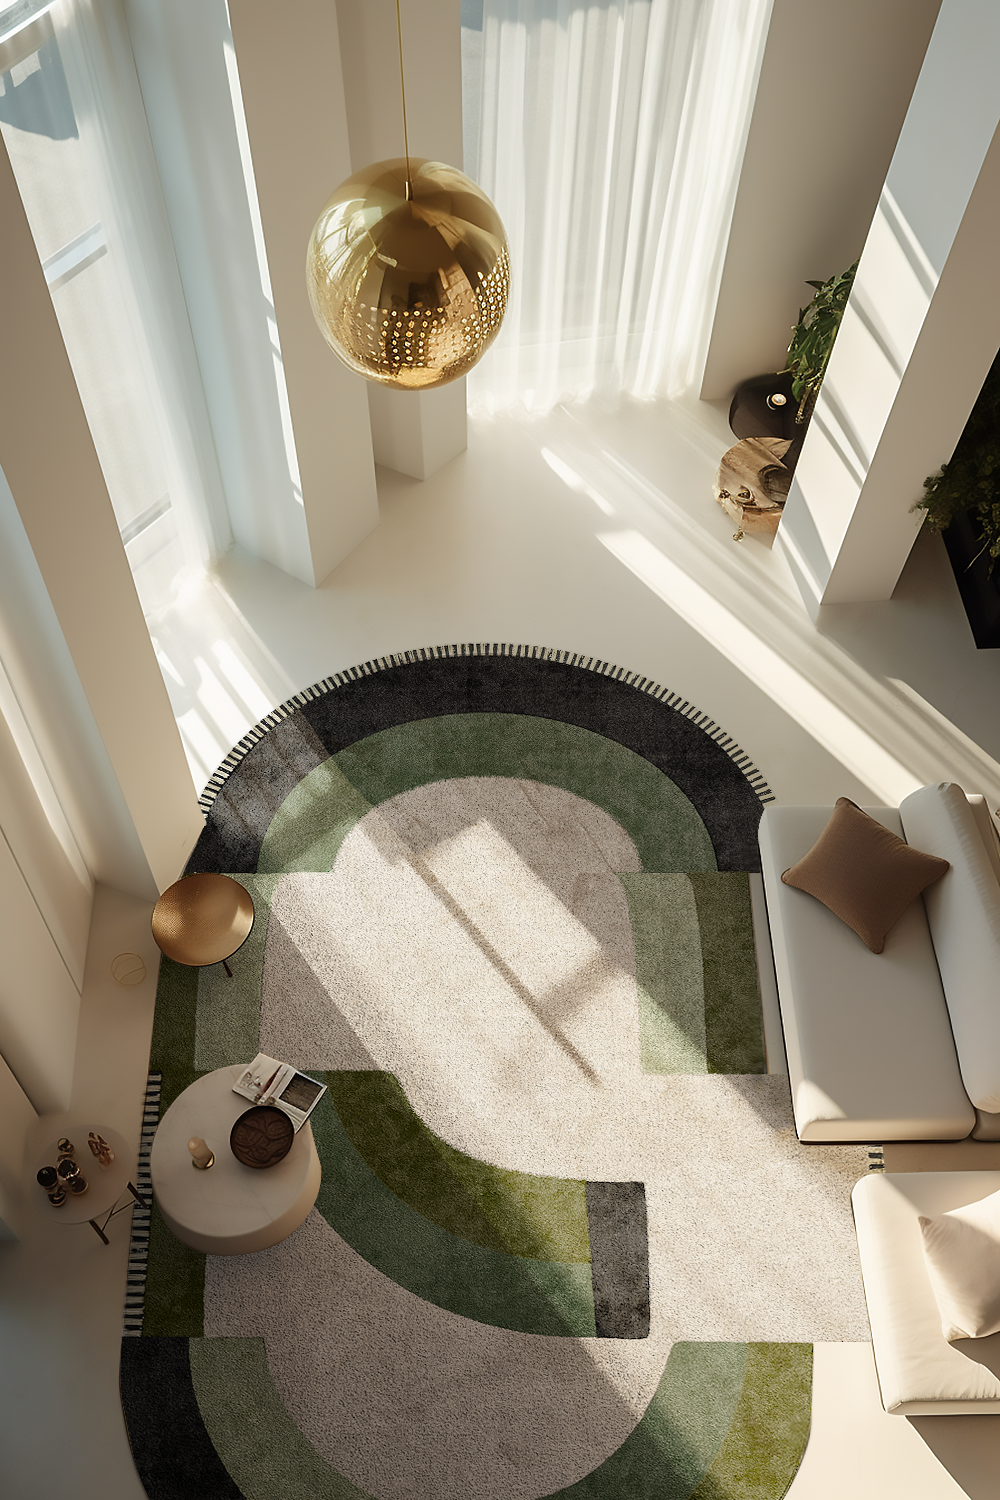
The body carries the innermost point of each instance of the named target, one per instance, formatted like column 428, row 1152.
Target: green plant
column 969, row 484
column 813, row 336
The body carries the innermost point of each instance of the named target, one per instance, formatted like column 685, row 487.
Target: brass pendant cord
column 402, row 90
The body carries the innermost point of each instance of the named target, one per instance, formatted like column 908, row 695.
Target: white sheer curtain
column 72, row 117
column 609, row 134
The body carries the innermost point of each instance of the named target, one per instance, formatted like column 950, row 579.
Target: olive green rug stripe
column 763, row 1448
column 312, row 822
column 174, row 1022
column 175, row 1285
column 669, row 1451
column 733, row 1022
column 669, row 972
column 489, row 1286
column 544, row 1218
column 262, row 1448
column 379, row 1122
column 309, row 827
column 541, row 1218
column 228, row 1019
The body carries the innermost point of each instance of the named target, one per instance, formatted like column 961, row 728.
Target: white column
column 55, row 478
column 920, row 331
column 811, row 174
column 414, row 432
column 293, row 98
column 16, row 1119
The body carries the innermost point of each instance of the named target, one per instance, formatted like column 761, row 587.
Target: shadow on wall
column 875, row 684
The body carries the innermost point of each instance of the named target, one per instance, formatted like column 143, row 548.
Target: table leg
column 227, row 968
column 138, row 1196
column 98, row 1230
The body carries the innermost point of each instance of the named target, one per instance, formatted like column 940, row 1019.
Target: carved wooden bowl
column 262, row 1136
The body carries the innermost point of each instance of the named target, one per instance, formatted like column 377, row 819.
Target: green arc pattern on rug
column 311, row 824
column 696, row 971
column 492, row 1286
column 726, row 1422
column 266, row 1454
column 517, row 1213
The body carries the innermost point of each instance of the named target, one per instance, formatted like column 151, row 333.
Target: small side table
column 202, row 920
column 229, row 1209
column 106, row 1185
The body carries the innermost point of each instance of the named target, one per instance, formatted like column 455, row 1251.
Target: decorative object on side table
column 93, row 1199
column 262, row 1136
column 752, row 485
column 202, row 1155
column 203, row 920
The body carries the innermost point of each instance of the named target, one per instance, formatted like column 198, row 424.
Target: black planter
column 978, row 586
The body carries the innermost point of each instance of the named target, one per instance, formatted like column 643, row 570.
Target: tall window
column 609, row 133
column 72, row 120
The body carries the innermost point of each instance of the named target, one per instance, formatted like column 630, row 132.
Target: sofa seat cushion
column 963, row 913
column 867, row 1036
column 919, row 1372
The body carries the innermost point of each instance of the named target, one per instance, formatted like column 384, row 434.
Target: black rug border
column 326, row 685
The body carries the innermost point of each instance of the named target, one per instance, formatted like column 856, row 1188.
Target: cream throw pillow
column 962, row 1250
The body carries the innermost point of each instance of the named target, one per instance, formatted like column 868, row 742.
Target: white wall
column 920, row 332
column 55, row 478
column 835, row 82
column 16, row 1120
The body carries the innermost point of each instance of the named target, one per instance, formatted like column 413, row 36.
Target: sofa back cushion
column 963, row 913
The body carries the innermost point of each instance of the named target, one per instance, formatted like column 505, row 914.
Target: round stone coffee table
column 229, row 1209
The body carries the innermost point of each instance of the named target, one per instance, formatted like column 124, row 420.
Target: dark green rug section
column 701, row 761
column 543, row 1218
column 727, row 1422
column 696, row 967
column 307, row 829
column 488, row 1284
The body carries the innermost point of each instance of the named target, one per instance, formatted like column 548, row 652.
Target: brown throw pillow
column 863, row 873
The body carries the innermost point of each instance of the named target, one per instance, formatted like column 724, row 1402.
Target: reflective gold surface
column 202, row 919
column 409, row 292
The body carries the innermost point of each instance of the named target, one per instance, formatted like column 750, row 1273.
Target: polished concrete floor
column 591, row 530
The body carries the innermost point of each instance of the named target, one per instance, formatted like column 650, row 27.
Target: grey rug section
column 411, row 1402
column 619, row 1258
column 300, row 1020
column 242, row 812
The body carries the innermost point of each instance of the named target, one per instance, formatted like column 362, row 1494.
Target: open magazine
column 268, row 1081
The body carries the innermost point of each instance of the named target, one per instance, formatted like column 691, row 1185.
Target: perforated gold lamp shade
column 410, row 293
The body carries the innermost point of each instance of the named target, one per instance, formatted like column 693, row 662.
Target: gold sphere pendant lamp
column 408, row 270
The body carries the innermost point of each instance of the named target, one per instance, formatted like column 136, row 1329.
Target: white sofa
column 919, row 1373
column 905, row 1044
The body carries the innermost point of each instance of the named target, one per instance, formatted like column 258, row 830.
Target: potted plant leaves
column 962, row 500
column 813, row 337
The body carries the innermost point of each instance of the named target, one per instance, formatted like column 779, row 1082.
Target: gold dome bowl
column 409, row 292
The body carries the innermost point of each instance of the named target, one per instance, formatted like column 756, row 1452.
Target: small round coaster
column 262, row 1136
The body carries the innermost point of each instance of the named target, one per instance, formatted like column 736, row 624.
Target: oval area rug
column 503, row 911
